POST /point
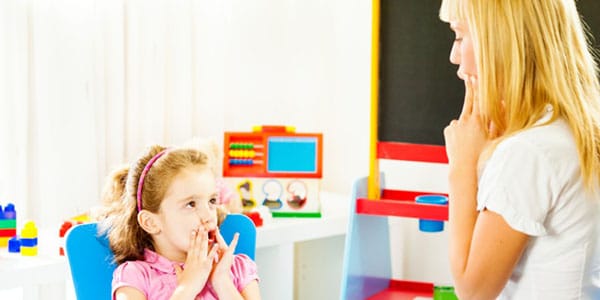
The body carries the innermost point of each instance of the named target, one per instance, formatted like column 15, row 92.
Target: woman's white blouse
column 533, row 181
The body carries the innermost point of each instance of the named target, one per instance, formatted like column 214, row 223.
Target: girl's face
column 190, row 203
column 462, row 53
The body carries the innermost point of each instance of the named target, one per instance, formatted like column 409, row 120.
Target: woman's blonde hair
column 126, row 237
column 531, row 53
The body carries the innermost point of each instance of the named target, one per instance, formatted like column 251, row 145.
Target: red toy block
column 255, row 217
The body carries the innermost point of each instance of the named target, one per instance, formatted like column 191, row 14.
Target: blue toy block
column 29, row 242
column 14, row 245
column 10, row 212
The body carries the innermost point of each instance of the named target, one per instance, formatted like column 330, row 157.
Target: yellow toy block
column 4, row 241
column 29, row 231
column 83, row 218
column 29, row 251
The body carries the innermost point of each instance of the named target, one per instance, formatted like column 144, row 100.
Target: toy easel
column 367, row 260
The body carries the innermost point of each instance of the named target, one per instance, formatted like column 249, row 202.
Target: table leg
column 276, row 271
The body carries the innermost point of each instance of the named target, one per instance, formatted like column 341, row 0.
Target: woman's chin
column 464, row 75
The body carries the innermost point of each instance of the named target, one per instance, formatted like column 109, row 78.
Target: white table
column 48, row 274
column 44, row 274
column 276, row 245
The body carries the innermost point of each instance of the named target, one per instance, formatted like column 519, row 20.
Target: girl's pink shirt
column 155, row 276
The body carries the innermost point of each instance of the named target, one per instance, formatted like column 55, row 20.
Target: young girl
column 524, row 155
column 163, row 230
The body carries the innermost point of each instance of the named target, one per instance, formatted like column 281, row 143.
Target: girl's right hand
column 198, row 264
column 222, row 268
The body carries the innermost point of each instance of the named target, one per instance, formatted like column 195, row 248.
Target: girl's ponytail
column 115, row 186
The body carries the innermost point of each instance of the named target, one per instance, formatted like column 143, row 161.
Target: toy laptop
column 275, row 167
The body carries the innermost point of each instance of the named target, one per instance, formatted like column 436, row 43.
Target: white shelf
column 333, row 222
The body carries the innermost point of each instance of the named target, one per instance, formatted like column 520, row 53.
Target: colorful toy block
column 444, row 293
column 4, row 241
column 9, row 212
column 66, row 226
column 255, row 217
column 62, row 233
column 29, row 235
column 14, row 245
column 8, row 224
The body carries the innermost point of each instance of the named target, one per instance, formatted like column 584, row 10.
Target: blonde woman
column 524, row 155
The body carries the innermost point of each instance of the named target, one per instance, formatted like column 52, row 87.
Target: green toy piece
column 444, row 293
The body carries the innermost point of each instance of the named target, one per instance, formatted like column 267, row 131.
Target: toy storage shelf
column 367, row 270
column 404, row 290
column 397, row 203
column 367, row 261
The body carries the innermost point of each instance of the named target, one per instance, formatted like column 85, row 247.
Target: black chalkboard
column 590, row 13
column 419, row 92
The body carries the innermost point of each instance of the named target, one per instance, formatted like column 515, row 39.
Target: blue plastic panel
column 367, row 261
column 292, row 154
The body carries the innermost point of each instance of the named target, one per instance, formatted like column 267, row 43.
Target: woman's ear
column 149, row 222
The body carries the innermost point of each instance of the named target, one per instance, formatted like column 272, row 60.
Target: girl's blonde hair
column 126, row 237
column 531, row 53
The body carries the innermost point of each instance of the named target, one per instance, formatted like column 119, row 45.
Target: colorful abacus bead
column 240, row 162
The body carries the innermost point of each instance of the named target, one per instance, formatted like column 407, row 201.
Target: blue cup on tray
column 431, row 225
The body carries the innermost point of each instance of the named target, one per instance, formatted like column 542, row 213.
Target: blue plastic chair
column 91, row 260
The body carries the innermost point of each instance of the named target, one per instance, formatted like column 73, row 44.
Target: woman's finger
column 448, row 128
column 468, row 103
column 493, row 131
column 474, row 99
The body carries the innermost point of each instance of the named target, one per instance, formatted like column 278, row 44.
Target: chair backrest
column 245, row 227
column 91, row 260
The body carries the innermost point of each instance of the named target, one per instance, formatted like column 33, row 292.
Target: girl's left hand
column 466, row 137
column 221, row 269
column 198, row 264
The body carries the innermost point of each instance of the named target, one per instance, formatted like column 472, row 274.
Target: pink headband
column 144, row 172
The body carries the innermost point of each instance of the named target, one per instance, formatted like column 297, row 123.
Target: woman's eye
column 191, row 204
column 458, row 40
column 213, row 200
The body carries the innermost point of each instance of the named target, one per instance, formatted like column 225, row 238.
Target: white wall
column 302, row 63
column 86, row 85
